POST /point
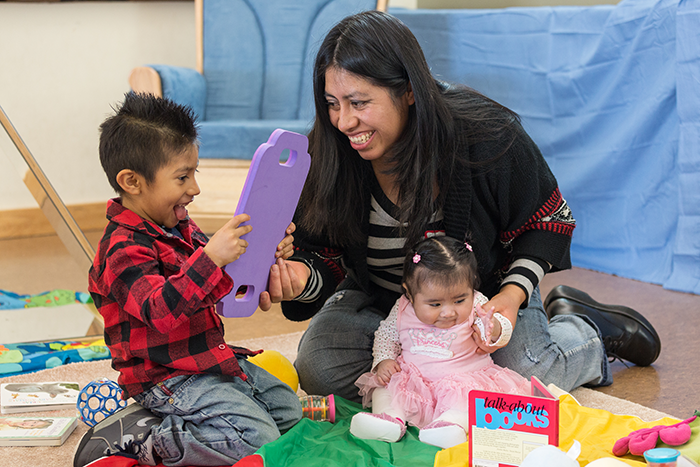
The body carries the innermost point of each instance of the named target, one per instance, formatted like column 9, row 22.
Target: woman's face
column 367, row 114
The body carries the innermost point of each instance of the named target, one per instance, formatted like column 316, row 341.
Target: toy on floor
column 98, row 400
column 639, row 441
column 552, row 456
column 278, row 365
column 662, row 457
column 318, row 408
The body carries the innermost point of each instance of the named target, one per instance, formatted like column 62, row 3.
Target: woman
column 397, row 156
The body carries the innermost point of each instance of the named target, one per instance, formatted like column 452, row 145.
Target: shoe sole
column 131, row 408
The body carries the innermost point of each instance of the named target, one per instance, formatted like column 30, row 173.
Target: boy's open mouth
column 180, row 211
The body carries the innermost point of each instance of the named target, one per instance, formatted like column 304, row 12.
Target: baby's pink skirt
column 422, row 400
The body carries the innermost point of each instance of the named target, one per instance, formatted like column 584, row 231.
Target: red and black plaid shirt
column 157, row 294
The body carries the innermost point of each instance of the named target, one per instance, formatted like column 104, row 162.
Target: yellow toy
column 278, row 365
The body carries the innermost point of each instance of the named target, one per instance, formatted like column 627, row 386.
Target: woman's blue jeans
column 217, row 420
column 337, row 347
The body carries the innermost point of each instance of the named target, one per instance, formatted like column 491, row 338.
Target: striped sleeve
column 314, row 285
column 526, row 273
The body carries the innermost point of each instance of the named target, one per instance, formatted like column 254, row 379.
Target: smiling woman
column 397, row 156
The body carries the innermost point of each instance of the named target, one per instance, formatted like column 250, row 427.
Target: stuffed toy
column 642, row 440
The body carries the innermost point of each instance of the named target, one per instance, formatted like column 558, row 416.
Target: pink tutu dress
column 438, row 366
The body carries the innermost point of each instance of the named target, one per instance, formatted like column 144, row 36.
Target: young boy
column 156, row 280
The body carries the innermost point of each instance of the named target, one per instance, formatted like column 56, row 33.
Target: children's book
column 36, row 431
column 34, row 397
column 504, row 428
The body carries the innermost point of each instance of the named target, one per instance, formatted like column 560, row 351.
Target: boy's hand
column 386, row 369
column 286, row 248
column 226, row 245
column 287, row 280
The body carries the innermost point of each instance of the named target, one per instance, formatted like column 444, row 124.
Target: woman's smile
column 369, row 115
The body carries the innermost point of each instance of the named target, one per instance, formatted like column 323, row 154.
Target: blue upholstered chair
column 254, row 69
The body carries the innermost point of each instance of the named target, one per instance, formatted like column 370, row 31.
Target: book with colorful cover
column 504, row 428
column 39, row 396
column 36, row 431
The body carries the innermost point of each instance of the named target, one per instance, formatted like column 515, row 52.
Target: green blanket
column 326, row 444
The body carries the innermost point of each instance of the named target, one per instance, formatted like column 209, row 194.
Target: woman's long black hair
column 381, row 49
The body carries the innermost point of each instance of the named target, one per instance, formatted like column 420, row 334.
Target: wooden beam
column 50, row 203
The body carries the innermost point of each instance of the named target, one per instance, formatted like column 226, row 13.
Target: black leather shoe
column 627, row 335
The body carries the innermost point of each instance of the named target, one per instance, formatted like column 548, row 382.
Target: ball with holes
column 98, row 400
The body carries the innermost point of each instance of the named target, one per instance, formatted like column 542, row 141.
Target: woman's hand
column 506, row 302
column 386, row 369
column 286, row 247
column 287, row 280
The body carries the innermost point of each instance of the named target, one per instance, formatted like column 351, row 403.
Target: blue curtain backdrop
column 611, row 94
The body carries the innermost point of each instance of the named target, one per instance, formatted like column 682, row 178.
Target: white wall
column 62, row 65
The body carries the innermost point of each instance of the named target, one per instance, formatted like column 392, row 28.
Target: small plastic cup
column 662, row 457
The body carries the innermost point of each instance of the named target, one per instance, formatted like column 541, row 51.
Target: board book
column 36, row 397
column 505, row 428
column 36, row 431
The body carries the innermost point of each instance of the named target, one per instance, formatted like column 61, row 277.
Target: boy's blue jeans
column 337, row 347
column 217, row 420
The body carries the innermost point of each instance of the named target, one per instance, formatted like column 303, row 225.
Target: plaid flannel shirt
column 157, row 294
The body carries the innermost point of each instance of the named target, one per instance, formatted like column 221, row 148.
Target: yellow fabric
column 596, row 430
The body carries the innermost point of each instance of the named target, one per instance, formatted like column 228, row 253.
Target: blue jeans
column 217, row 420
column 337, row 347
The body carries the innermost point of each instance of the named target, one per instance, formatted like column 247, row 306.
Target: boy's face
column 163, row 201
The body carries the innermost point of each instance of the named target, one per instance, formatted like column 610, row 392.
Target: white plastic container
column 662, row 457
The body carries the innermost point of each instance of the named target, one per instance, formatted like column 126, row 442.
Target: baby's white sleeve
column 479, row 298
column 386, row 339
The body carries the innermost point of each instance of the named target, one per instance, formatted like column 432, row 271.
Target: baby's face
column 443, row 307
column 31, row 423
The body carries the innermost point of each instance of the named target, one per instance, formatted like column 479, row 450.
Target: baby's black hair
column 439, row 260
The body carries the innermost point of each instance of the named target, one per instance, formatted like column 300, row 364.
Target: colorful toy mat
column 21, row 358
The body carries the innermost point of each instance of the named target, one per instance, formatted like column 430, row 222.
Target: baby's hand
column 386, row 369
column 483, row 323
column 226, row 245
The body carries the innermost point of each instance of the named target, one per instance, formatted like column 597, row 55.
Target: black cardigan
column 503, row 207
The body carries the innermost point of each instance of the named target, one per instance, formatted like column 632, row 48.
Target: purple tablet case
column 270, row 196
